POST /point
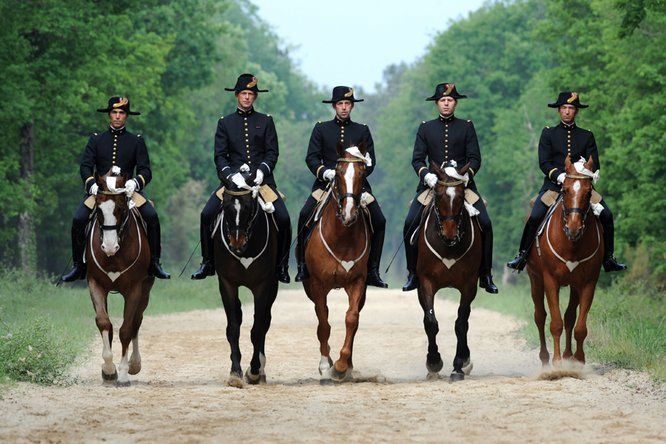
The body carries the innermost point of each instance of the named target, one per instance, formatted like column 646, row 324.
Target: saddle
column 266, row 193
column 470, row 197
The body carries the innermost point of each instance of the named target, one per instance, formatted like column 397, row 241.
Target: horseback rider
column 115, row 147
column 321, row 159
column 245, row 142
column 441, row 140
column 555, row 144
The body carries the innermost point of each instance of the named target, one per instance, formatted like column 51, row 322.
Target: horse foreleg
column 133, row 300
column 234, row 313
column 462, row 361
column 98, row 296
column 356, row 293
column 540, row 316
column 569, row 321
column 317, row 294
column 556, row 324
column 426, row 294
column 263, row 304
column 135, row 357
column 580, row 331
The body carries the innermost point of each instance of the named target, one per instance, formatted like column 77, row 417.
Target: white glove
column 259, row 178
column 245, row 168
column 560, row 178
column 430, row 179
column 239, row 181
column 329, row 175
column 130, row 187
column 93, row 189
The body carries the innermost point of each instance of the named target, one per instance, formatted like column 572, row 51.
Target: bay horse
column 449, row 255
column 118, row 258
column 336, row 256
column 245, row 249
column 569, row 252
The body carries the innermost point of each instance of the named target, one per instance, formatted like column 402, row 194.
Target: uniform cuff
column 473, row 172
column 422, row 172
column 140, row 181
column 550, row 173
column 265, row 168
column 85, row 184
column 317, row 172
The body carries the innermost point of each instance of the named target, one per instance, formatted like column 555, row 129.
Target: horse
column 336, row 256
column 449, row 255
column 245, row 249
column 118, row 258
column 569, row 252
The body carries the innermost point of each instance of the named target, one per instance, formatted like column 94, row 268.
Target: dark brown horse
column 569, row 252
column 449, row 256
column 337, row 257
column 118, row 257
column 245, row 246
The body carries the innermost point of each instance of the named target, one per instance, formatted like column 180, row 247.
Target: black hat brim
column 108, row 110
column 558, row 104
column 246, row 89
column 336, row 101
column 435, row 98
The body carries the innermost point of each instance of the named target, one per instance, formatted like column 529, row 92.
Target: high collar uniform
column 246, row 137
column 443, row 139
column 116, row 147
column 323, row 147
column 558, row 142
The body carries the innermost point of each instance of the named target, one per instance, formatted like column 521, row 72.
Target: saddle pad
column 368, row 199
column 318, row 194
column 268, row 194
column 549, row 197
column 426, row 197
column 596, row 197
column 137, row 198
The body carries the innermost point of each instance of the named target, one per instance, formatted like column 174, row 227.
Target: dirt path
column 181, row 395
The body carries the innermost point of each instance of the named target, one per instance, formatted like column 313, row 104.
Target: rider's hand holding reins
column 259, row 177
column 329, row 174
column 239, row 181
column 93, row 189
column 430, row 179
column 560, row 178
column 130, row 187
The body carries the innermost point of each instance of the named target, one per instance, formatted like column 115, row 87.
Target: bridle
column 247, row 231
column 457, row 218
column 339, row 198
column 566, row 211
column 118, row 227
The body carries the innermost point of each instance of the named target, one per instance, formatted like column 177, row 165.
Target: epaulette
column 547, row 127
column 138, row 135
column 268, row 115
column 222, row 117
column 422, row 122
column 95, row 134
column 469, row 121
column 318, row 121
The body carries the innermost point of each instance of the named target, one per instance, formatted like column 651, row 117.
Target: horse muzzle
column 111, row 248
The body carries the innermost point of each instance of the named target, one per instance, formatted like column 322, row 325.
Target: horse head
column 112, row 209
column 240, row 209
column 349, row 174
column 449, row 202
column 576, row 194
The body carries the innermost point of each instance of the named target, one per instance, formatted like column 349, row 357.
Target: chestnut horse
column 118, row 257
column 449, row 256
column 245, row 248
column 569, row 252
column 336, row 256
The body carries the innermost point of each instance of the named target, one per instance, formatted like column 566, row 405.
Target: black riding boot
column 485, row 278
column 411, row 254
column 207, row 267
column 610, row 263
column 155, row 268
column 302, row 272
column 529, row 232
column 376, row 248
column 78, row 271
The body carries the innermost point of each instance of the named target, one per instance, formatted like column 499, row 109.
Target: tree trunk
column 26, row 229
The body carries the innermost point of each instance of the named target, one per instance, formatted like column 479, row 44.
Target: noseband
column 341, row 197
column 457, row 218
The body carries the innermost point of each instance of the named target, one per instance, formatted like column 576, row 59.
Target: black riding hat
column 118, row 103
column 567, row 98
column 246, row 82
column 446, row 89
column 342, row 93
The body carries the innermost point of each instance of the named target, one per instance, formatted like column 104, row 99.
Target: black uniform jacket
column 444, row 139
column 246, row 137
column 116, row 148
column 554, row 145
column 323, row 148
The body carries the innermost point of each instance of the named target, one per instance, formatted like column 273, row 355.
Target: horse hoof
column 253, row 379
column 434, row 367
column 432, row 376
column 467, row 366
column 457, row 376
column 338, row 376
column 324, row 368
column 235, row 381
column 112, row 377
column 134, row 368
column 123, row 383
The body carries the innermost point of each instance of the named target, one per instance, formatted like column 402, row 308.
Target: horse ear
column 464, row 169
column 590, row 164
column 567, row 164
column 362, row 147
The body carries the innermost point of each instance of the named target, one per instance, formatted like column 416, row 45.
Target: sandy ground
column 181, row 394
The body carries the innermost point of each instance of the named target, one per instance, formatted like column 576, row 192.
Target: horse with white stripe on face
column 245, row 246
column 337, row 256
column 118, row 258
